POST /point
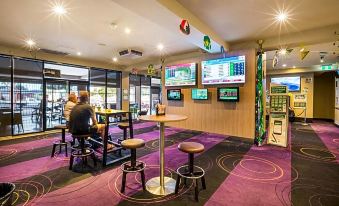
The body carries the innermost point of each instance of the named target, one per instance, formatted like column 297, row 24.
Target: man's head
column 72, row 97
column 83, row 96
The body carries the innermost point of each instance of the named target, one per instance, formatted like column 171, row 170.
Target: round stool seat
column 123, row 125
column 81, row 135
column 191, row 147
column 132, row 143
column 61, row 126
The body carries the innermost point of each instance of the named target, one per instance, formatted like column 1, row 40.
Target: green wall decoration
column 259, row 104
column 207, row 42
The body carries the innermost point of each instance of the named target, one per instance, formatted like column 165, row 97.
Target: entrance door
column 55, row 99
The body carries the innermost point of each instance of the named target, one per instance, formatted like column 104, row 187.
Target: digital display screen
column 180, row 75
column 230, row 94
column 292, row 83
column 229, row 70
column 174, row 94
column 200, row 94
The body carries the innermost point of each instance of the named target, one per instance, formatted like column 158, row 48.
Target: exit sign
column 326, row 67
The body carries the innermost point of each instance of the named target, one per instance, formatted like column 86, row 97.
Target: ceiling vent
column 54, row 52
column 130, row 53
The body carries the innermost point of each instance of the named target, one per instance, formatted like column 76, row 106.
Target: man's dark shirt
column 79, row 118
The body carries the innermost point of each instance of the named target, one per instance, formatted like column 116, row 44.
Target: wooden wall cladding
column 229, row 118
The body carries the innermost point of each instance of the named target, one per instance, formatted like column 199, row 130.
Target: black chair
column 61, row 142
column 191, row 171
column 83, row 150
column 134, row 165
column 6, row 192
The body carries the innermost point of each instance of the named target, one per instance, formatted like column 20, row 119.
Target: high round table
column 162, row 185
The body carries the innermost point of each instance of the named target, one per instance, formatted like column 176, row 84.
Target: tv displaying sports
column 228, row 94
column 230, row 70
column 292, row 83
column 174, row 94
column 180, row 75
column 199, row 94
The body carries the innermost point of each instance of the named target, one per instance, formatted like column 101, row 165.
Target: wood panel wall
column 228, row 118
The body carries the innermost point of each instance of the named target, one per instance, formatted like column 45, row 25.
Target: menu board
column 224, row 71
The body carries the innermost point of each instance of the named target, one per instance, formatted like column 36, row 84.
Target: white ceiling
column 244, row 20
column 313, row 58
column 86, row 25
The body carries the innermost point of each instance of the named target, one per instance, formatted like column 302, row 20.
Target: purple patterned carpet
column 237, row 172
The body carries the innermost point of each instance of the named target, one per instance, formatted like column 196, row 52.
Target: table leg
column 104, row 155
column 161, row 185
column 130, row 121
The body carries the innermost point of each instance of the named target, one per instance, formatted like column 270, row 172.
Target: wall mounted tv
column 174, row 94
column 180, row 75
column 228, row 94
column 292, row 83
column 199, row 94
column 230, row 70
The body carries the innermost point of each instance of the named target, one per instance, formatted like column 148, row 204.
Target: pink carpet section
column 103, row 189
column 40, row 165
column 261, row 177
column 30, row 168
column 34, row 144
column 329, row 135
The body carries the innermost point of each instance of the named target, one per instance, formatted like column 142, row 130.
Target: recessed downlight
column 59, row 9
column 30, row 42
column 115, row 59
column 284, row 65
column 160, row 47
column 127, row 30
column 294, row 67
column 79, row 53
column 281, row 16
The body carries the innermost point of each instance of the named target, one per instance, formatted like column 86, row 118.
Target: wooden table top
column 110, row 111
column 163, row 118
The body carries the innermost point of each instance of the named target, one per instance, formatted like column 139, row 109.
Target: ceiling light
column 59, row 9
column 30, row 42
column 294, row 67
column 115, row 59
column 282, row 51
column 302, row 49
column 79, row 53
column 127, row 30
column 281, row 16
column 284, row 65
column 322, row 59
column 160, row 47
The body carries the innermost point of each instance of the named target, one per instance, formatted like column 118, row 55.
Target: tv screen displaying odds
column 230, row 94
column 174, row 94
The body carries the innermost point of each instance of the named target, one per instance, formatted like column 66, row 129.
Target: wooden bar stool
column 134, row 165
column 123, row 126
column 61, row 142
column 191, row 171
column 83, row 150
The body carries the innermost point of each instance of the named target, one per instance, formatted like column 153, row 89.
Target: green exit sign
column 326, row 67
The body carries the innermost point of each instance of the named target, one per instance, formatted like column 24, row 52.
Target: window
column 114, row 90
column 27, row 96
column 5, row 96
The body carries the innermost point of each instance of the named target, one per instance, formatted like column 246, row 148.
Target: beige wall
column 236, row 119
column 324, row 96
column 304, row 86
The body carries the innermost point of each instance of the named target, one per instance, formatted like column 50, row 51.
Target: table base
column 153, row 186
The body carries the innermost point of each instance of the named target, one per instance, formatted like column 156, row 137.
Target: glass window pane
column 56, row 97
column 27, row 96
column 98, row 87
column 69, row 72
column 114, row 89
column 5, row 96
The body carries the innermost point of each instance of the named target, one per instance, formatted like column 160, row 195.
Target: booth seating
column 83, row 150
column 191, row 171
column 134, row 165
column 123, row 126
column 61, row 142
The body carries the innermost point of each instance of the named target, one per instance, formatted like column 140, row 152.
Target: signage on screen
column 228, row 70
column 180, row 75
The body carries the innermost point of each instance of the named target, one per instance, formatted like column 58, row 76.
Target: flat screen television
column 180, row 75
column 292, row 83
column 174, row 94
column 228, row 94
column 199, row 94
column 230, row 70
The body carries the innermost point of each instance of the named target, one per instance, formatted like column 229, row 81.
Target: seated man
column 80, row 117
